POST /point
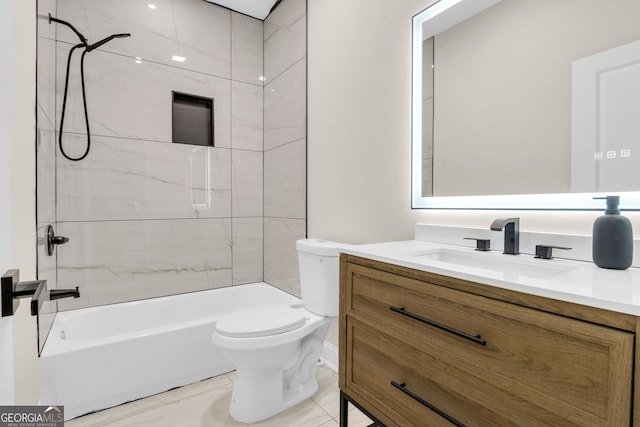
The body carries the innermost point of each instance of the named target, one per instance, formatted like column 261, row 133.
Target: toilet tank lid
column 319, row 247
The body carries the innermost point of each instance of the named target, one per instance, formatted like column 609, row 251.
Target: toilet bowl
column 276, row 348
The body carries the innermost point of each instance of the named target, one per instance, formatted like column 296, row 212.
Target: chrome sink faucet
column 511, row 228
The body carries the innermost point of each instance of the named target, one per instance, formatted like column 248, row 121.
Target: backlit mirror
column 517, row 103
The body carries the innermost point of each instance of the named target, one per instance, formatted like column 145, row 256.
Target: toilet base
column 258, row 395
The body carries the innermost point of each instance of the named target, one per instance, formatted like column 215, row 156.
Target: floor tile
column 328, row 395
column 357, row 418
column 128, row 410
column 206, row 403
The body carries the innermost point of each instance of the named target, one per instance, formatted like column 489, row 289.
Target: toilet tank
column 319, row 265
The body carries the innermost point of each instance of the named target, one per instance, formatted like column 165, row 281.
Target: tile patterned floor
column 207, row 404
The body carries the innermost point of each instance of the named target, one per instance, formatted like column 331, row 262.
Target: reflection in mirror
column 492, row 101
column 427, row 117
column 605, row 132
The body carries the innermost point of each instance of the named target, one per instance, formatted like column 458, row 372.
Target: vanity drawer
column 563, row 364
column 416, row 388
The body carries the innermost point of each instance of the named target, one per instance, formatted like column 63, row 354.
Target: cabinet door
column 542, row 365
column 415, row 388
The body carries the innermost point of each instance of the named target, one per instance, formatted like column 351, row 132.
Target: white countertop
column 566, row 280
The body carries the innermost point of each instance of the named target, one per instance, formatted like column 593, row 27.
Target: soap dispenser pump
column 612, row 237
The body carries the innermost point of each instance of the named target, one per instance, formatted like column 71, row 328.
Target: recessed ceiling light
column 262, row 78
column 178, row 58
column 151, row 6
column 138, row 60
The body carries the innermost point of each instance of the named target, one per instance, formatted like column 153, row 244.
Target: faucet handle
column 545, row 251
column 481, row 244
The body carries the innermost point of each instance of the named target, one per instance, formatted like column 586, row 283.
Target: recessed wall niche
column 192, row 119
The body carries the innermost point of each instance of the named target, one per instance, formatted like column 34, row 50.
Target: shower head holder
column 83, row 40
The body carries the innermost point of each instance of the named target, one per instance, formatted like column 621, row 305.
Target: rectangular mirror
column 521, row 104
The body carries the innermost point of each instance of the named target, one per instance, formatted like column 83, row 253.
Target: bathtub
column 99, row 357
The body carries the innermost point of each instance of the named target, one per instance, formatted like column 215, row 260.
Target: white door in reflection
column 605, row 139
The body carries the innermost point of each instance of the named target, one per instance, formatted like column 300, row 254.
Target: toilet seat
column 261, row 321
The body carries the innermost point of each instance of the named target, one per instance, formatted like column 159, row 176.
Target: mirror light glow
column 432, row 21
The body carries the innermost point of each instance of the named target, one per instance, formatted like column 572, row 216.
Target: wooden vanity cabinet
column 420, row 349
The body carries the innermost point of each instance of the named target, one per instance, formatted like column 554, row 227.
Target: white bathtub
column 99, row 357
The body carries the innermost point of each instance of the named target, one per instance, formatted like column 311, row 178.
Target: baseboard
column 330, row 356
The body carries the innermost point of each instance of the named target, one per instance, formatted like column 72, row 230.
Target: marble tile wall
column 285, row 37
column 131, row 260
column 285, row 115
column 280, row 256
column 190, row 28
column 247, row 58
column 147, row 217
column 132, row 100
column 124, row 179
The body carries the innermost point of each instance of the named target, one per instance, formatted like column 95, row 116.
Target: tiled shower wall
column 147, row 217
column 285, row 130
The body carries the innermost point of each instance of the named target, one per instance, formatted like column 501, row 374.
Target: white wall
column 23, row 242
column 359, row 119
column 359, row 105
column 17, row 184
column 6, row 324
column 22, row 116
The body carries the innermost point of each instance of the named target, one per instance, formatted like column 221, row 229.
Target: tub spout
column 64, row 293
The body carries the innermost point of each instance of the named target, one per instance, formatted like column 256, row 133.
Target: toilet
column 275, row 348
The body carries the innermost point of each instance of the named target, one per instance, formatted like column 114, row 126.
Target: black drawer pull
column 403, row 388
column 476, row 339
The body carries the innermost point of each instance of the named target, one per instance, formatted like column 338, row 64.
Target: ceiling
column 256, row 8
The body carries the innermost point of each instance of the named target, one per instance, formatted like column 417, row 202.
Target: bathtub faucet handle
column 52, row 240
column 55, row 294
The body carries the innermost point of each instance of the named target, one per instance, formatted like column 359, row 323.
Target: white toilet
column 275, row 348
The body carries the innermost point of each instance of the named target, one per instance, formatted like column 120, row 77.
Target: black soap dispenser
column 612, row 237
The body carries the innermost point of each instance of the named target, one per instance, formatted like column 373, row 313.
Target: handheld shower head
column 87, row 48
column 83, row 40
column 97, row 44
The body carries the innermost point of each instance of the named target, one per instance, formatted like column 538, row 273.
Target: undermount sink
column 506, row 264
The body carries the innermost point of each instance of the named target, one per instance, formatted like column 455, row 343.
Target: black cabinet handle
column 403, row 388
column 476, row 339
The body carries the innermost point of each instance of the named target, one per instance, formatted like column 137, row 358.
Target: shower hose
column 87, row 48
column 84, row 102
